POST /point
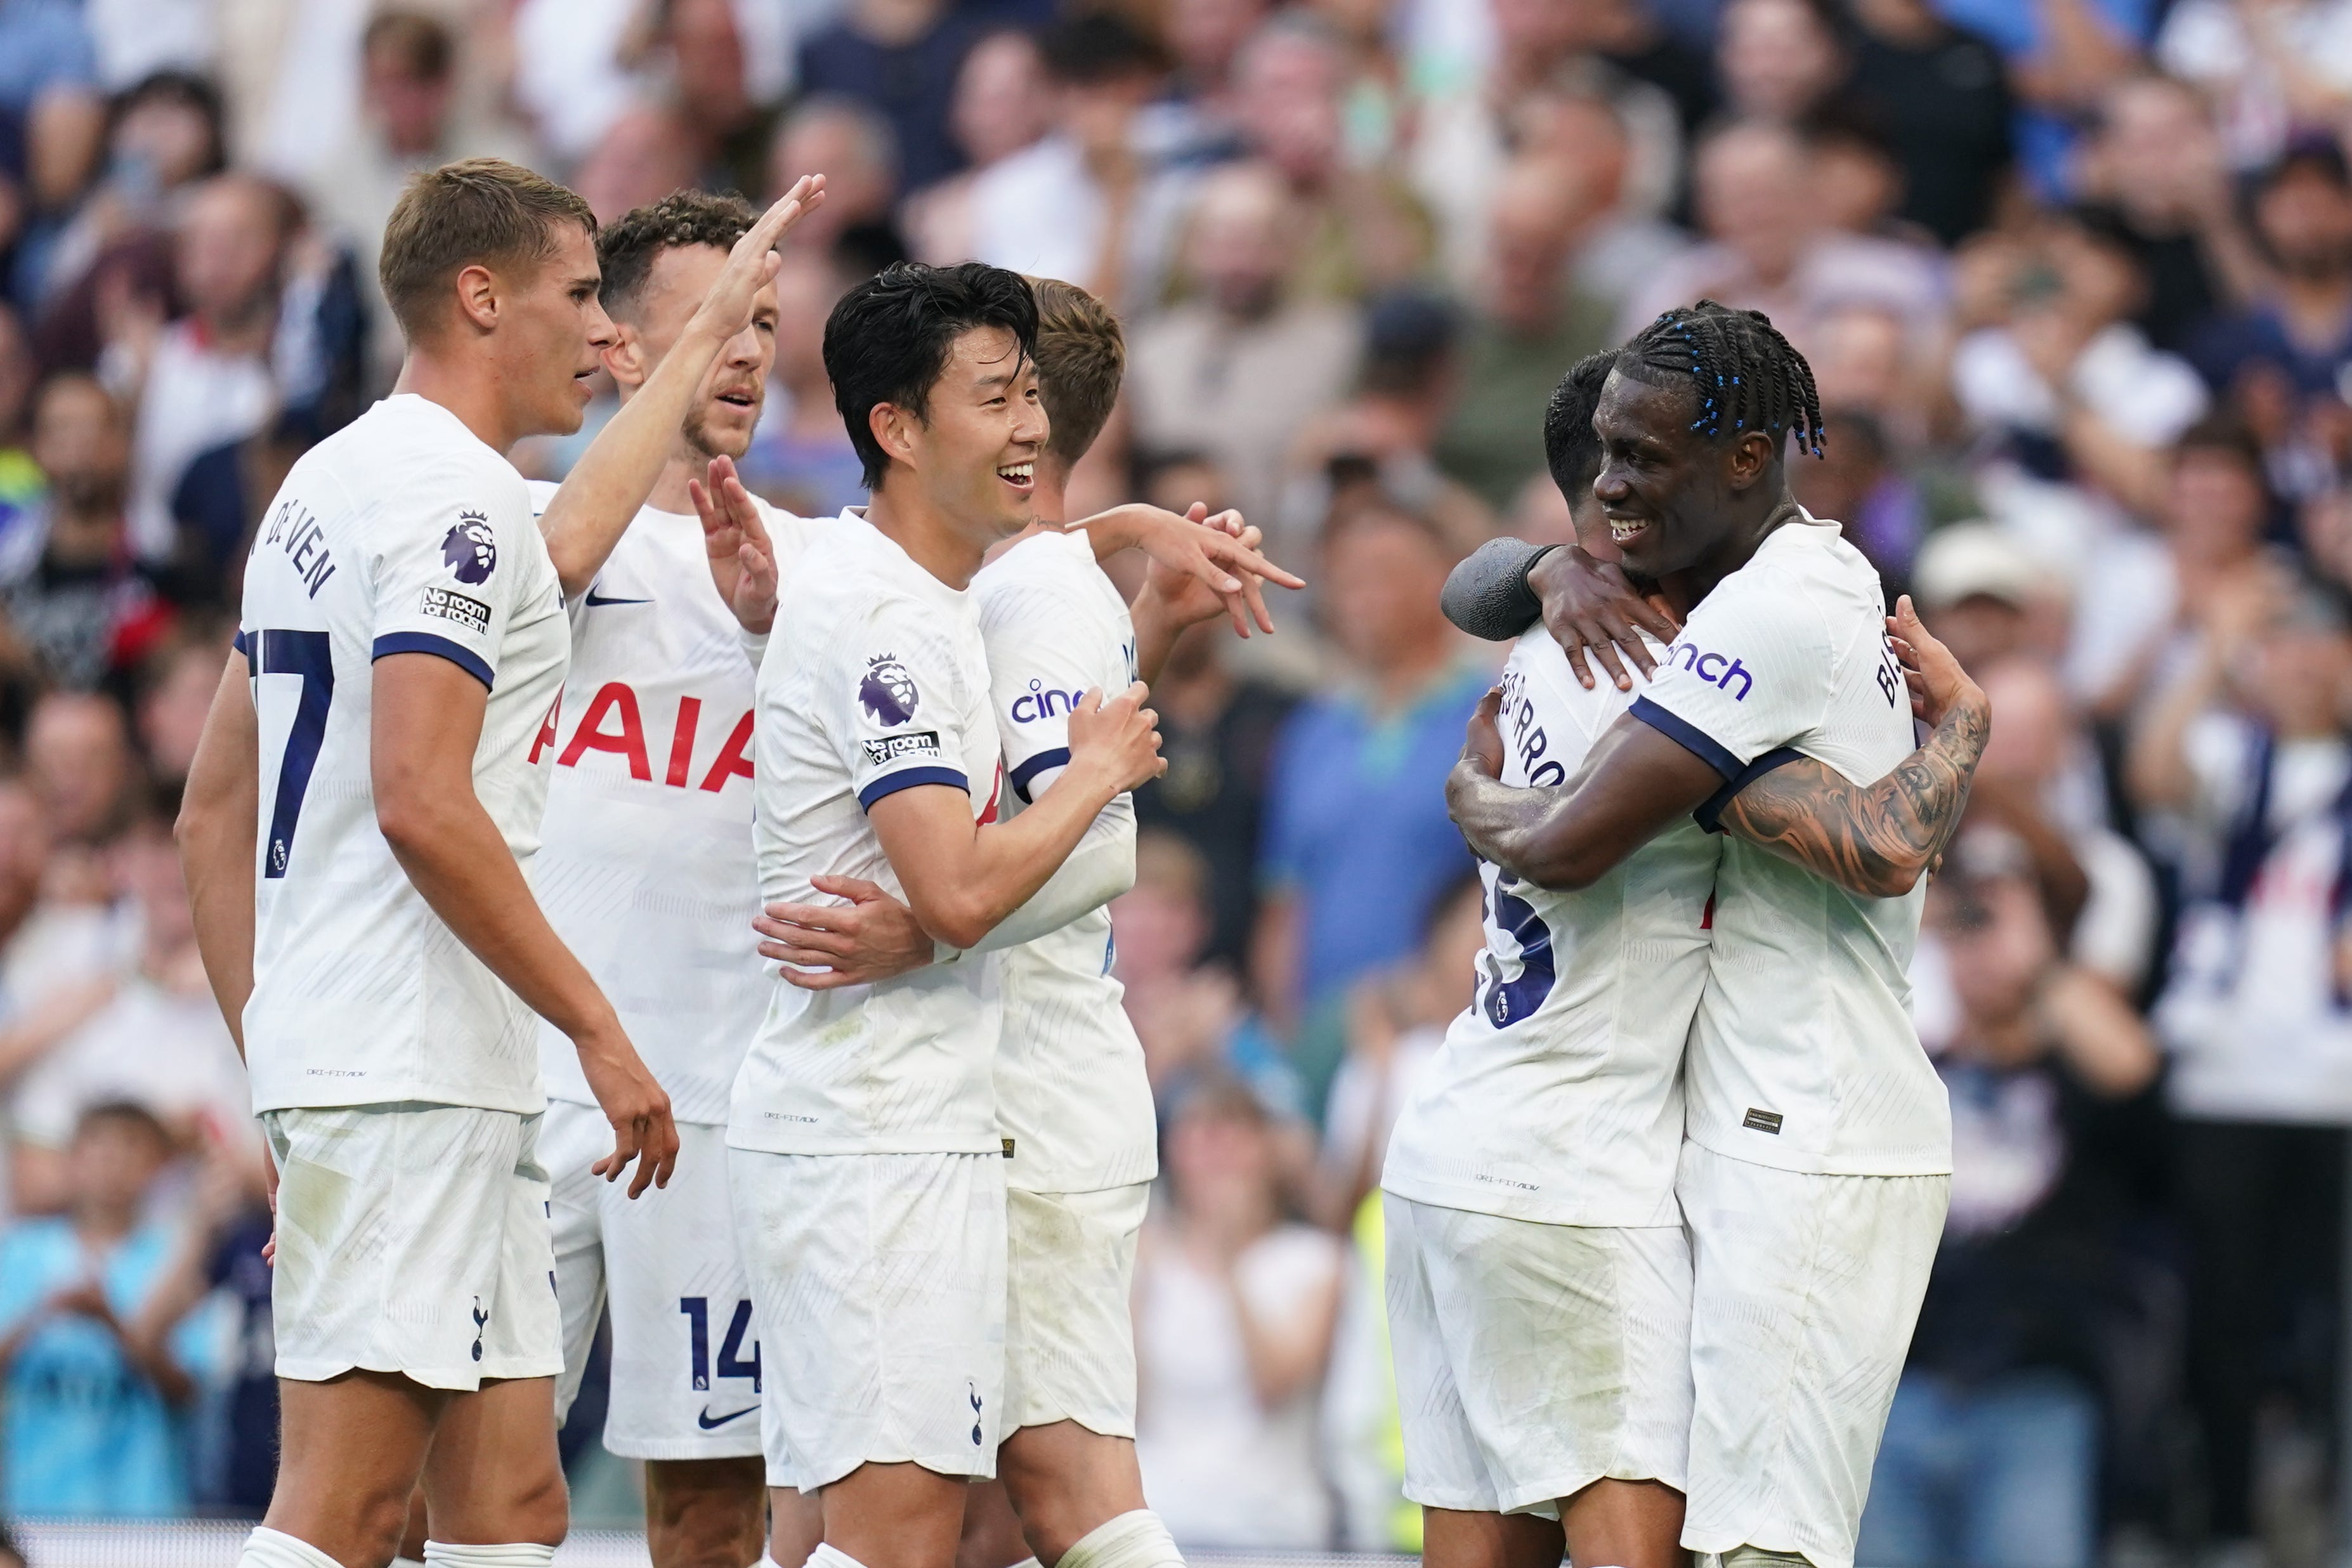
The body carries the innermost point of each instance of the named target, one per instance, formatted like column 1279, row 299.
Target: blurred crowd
column 2075, row 278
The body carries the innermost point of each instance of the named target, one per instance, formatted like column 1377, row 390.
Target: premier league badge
column 469, row 549
column 888, row 692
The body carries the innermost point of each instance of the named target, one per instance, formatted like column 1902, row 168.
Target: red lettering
column 681, row 742
column 546, row 726
column 734, row 757
column 629, row 741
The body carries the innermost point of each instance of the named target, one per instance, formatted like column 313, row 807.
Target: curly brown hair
column 627, row 250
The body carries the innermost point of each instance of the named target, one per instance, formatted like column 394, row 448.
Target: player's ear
column 894, row 430
column 478, row 296
column 625, row 357
column 1750, row 459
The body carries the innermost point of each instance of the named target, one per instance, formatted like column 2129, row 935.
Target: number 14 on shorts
column 730, row 1349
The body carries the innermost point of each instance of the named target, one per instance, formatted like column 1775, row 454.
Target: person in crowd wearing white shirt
column 645, row 868
column 1786, row 1170
column 1580, row 1204
column 356, row 830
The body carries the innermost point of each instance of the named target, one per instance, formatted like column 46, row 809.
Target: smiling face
column 973, row 452
column 1669, row 494
column 560, row 331
column 727, row 407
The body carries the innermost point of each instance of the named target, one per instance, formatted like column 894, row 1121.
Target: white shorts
column 1806, row 1291
column 1069, row 1317
column 879, row 1281
column 686, row 1343
column 1533, row 1360
column 412, row 1239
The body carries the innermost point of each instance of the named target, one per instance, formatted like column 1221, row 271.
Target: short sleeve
column 453, row 563
column 1751, row 672
column 896, row 681
column 1042, row 658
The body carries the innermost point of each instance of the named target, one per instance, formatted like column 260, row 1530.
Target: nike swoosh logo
column 595, row 603
column 711, row 1423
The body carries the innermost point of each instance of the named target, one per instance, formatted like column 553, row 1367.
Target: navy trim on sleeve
column 1056, row 758
column 1710, row 816
column 1688, row 736
column 243, row 643
column 907, row 778
column 464, row 658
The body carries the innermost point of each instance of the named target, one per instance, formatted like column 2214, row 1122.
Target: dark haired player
column 867, row 1169
column 1574, row 1044
column 1815, row 1169
column 645, row 868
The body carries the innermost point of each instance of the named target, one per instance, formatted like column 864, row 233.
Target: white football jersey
column 1803, row 1055
column 1071, row 1094
column 400, row 533
column 877, row 681
column 1556, row 1096
column 646, row 867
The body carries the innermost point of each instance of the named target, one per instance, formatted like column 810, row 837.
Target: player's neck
column 1739, row 544
column 669, row 492
column 926, row 533
column 1051, row 498
column 463, row 388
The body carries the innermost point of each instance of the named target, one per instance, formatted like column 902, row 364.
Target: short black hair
column 889, row 338
column 626, row 251
column 1572, row 451
column 1746, row 375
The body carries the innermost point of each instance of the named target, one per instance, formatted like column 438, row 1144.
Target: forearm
column 1875, row 840
column 609, row 484
column 1549, row 837
column 959, row 892
column 2155, row 771
column 1100, row 869
column 2100, row 1034
column 1155, row 637
column 460, row 865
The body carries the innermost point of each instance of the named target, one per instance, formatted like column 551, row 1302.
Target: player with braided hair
column 1815, row 1167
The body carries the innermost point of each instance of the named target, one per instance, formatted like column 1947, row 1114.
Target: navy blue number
column 310, row 656
column 698, row 1314
column 1509, row 1001
column 730, row 1365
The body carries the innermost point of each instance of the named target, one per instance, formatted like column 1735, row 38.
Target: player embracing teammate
column 1652, row 1288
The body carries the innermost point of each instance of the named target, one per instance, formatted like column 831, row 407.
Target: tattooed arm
column 1877, row 840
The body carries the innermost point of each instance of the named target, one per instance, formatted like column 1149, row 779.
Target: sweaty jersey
column 876, row 682
column 1803, row 1055
column 1071, row 1095
column 400, row 533
column 1557, row 1095
column 646, row 867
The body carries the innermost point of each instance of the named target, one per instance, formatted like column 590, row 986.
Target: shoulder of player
column 1540, row 661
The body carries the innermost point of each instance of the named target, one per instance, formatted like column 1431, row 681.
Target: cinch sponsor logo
column 612, row 723
column 1714, row 668
column 1041, row 701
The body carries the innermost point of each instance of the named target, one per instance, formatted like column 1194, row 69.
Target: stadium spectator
column 1001, row 108
column 1943, row 94
column 90, row 1394
column 2296, row 332
column 78, row 760
column 801, row 458
column 2247, row 749
column 1768, row 248
column 1356, row 844
column 77, row 601
column 899, row 57
column 853, row 147
column 1532, row 320
column 1236, row 370
column 1992, row 1454
column 1235, row 1311
column 1776, row 60
column 1361, row 229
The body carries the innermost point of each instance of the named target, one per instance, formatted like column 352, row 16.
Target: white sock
column 1136, row 1540
column 520, row 1555
column 828, row 1556
column 267, row 1548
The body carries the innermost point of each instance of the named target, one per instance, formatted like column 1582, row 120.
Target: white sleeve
column 1750, row 673
column 450, row 558
column 1042, row 657
column 897, row 724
